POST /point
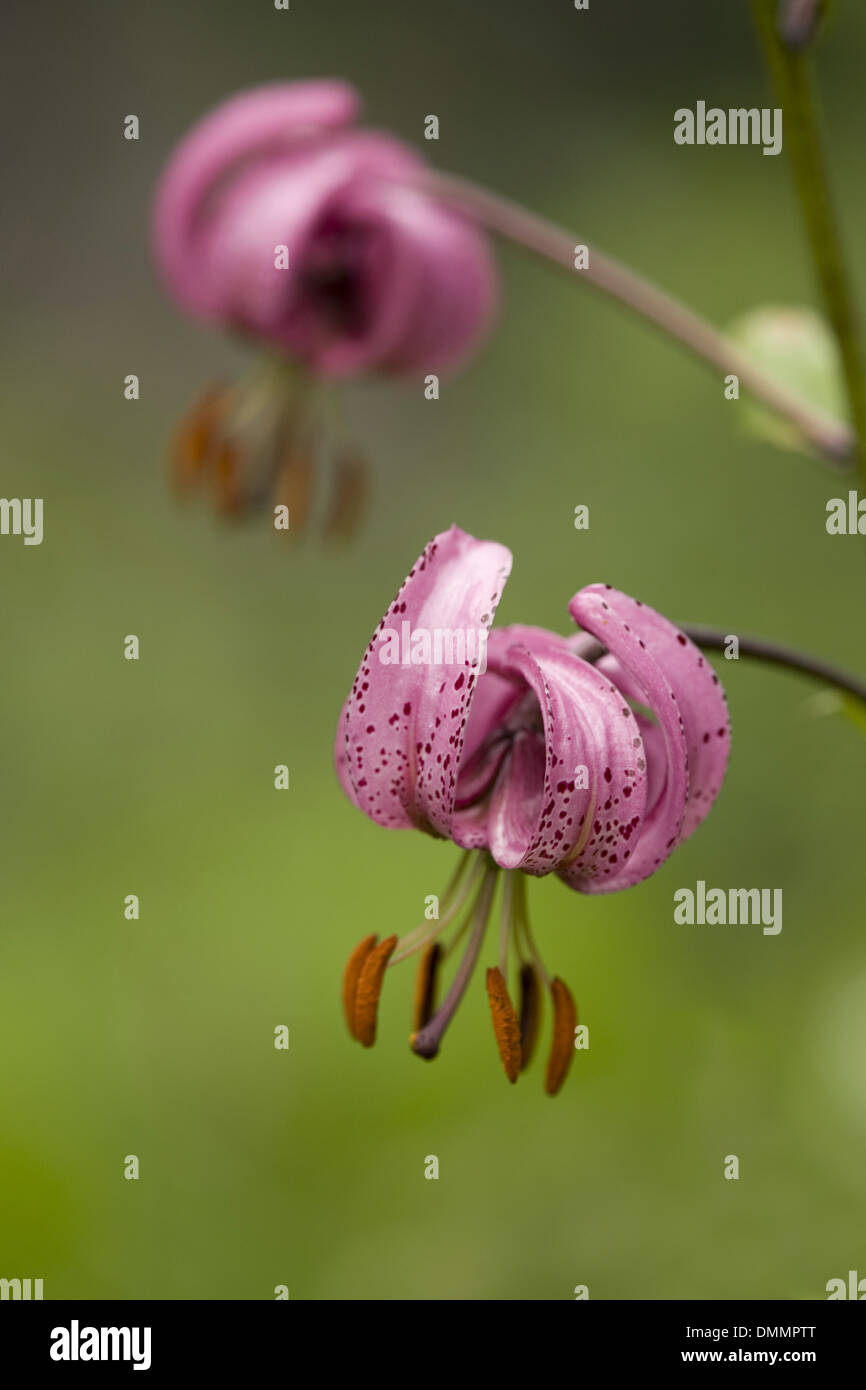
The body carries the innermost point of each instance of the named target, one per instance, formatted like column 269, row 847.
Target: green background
column 155, row 1037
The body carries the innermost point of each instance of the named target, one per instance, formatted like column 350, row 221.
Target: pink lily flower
column 277, row 218
column 591, row 757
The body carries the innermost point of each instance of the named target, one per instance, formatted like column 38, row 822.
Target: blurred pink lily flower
column 278, row 218
column 591, row 757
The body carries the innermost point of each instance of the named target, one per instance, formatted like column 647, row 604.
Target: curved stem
column 788, row 62
column 830, row 437
column 776, row 654
column 714, row 639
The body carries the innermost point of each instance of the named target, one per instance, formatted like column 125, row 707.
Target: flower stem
column 788, row 62
column 713, row 639
column 830, row 437
column 717, row 640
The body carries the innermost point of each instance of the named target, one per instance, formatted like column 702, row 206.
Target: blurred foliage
column 797, row 348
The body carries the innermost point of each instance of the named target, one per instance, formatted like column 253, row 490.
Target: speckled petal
column 675, row 682
column 587, row 829
column 401, row 733
column 497, row 706
column 514, row 812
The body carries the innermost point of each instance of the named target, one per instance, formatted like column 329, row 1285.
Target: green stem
column 795, row 94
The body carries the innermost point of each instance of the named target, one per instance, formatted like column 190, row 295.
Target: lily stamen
column 530, row 1013
column 506, row 1026
column 351, row 976
column 426, row 1042
column 562, row 1046
column 251, row 442
column 506, row 927
column 453, row 901
column 521, row 920
column 425, row 986
column 194, row 438
column 368, row 991
column 564, row 1007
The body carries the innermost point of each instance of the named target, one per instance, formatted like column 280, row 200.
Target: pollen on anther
column 351, row 976
column 368, row 991
column 530, row 1013
column 425, row 986
column 506, row 1026
column 562, row 1045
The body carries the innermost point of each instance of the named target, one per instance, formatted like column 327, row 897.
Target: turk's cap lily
column 379, row 275
column 591, row 756
column 594, row 770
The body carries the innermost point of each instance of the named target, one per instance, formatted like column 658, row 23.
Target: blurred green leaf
column 796, row 346
column 855, row 710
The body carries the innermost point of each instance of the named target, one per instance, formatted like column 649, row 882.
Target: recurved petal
column 268, row 121
column 676, row 683
column 401, row 734
column 289, row 200
column 500, row 703
column 501, row 690
column 432, row 288
column 587, row 795
column 514, row 812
